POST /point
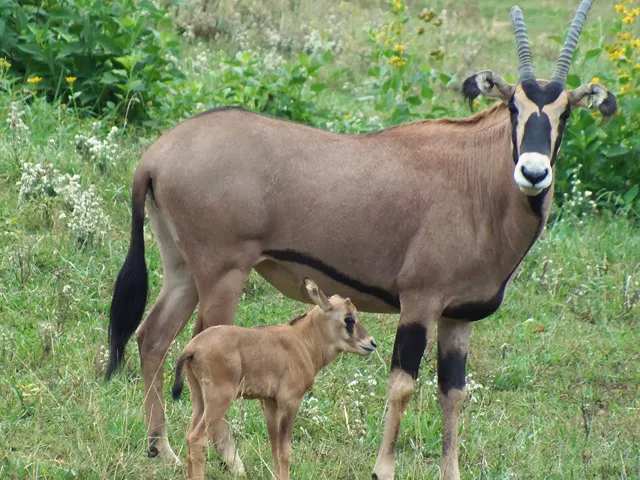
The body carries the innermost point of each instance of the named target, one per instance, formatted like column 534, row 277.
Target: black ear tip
column 609, row 106
column 470, row 90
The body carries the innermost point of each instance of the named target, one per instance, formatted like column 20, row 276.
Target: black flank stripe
column 297, row 257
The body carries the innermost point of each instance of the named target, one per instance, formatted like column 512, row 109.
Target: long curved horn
column 525, row 70
column 564, row 60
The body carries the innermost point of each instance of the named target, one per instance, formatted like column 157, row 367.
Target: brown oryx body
column 275, row 364
column 429, row 219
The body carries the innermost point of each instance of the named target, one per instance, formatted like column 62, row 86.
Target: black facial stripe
column 408, row 348
column 514, row 131
column 537, row 134
column 298, row 257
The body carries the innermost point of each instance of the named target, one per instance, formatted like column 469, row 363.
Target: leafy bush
column 112, row 55
column 400, row 80
column 609, row 155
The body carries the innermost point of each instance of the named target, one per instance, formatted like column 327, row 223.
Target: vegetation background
column 86, row 86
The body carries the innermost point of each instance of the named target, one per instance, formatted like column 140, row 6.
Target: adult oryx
column 429, row 219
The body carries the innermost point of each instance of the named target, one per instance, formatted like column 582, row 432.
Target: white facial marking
column 533, row 173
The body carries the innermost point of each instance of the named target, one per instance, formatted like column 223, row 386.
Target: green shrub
column 114, row 55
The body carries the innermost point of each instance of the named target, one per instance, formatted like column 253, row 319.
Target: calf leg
column 216, row 402
column 453, row 344
column 285, row 417
column 220, row 435
column 218, row 304
column 409, row 346
column 269, row 407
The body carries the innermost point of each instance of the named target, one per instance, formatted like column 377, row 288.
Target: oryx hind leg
column 220, row 295
column 453, row 345
column 176, row 302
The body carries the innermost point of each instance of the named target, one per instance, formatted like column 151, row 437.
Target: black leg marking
column 411, row 340
column 451, row 370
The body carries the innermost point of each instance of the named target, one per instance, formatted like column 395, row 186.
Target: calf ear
column 594, row 95
column 316, row 295
column 489, row 84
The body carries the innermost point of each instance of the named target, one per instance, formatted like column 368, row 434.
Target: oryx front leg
column 453, row 344
column 409, row 346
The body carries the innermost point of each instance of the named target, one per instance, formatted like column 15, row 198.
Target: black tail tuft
column 176, row 391
column 129, row 293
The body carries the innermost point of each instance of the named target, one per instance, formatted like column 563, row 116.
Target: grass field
column 554, row 375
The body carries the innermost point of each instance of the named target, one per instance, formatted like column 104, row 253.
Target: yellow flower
column 636, row 43
column 149, row 103
column 628, row 19
column 624, row 36
column 70, row 80
column 620, row 8
column 34, row 80
column 635, row 12
column 4, row 63
column 624, row 89
column 595, row 80
column 637, row 66
column 63, row 106
column 617, row 54
column 379, row 36
column 476, row 102
column 399, row 48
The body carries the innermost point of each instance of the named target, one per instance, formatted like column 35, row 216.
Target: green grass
column 559, row 363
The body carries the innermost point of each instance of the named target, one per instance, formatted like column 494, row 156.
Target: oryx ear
column 488, row 84
column 594, row 95
column 316, row 295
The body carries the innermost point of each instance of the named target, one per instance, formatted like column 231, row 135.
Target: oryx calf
column 429, row 219
column 276, row 364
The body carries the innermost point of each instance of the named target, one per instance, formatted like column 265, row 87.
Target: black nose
column 373, row 343
column 534, row 177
